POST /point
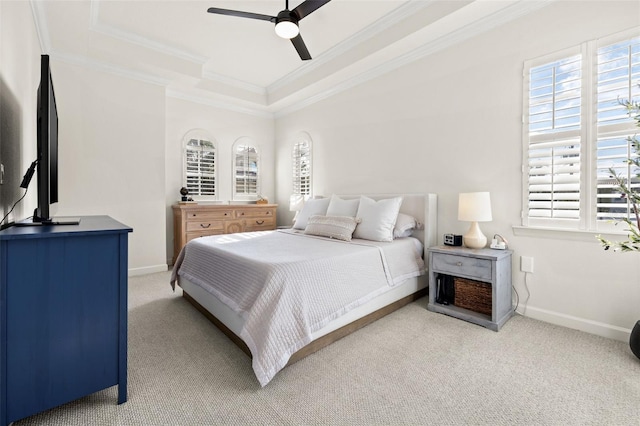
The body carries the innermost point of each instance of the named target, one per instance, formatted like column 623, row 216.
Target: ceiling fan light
column 287, row 29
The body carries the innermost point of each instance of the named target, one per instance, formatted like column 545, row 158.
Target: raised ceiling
column 241, row 63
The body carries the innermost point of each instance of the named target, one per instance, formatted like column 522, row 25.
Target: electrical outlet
column 526, row 264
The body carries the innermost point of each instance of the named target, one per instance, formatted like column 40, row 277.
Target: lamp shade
column 474, row 207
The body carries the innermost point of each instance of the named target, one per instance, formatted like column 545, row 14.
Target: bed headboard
column 424, row 207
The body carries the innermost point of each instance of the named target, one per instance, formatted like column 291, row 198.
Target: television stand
column 63, row 314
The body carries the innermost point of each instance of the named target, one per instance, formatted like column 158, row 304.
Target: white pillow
column 405, row 225
column 338, row 227
column 377, row 218
column 340, row 207
column 312, row 207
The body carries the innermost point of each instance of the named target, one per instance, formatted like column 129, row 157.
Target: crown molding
column 45, row 43
column 509, row 13
column 133, row 38
column 130, row 37
column 233, row 82
column 85, row 62
column 489, row 22
column 216, row 103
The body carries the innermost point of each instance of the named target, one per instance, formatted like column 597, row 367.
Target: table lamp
column 474, row 207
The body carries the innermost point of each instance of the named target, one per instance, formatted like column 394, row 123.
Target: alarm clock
column 452, row 240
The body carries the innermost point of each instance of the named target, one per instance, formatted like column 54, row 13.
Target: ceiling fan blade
column 241, row 14
column 298, row 43
column 308, row 6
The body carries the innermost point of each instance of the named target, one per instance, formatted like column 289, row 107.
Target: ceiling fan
column 286, row 21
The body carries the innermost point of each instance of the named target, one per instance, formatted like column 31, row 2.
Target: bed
column 282, row 295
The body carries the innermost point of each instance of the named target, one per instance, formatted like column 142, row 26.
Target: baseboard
column 576, row 323
column 147, row 270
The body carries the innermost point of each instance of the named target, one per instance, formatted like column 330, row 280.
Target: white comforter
column 287, row 285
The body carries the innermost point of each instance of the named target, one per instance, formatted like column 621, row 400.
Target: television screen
column 46, row 163
column 47, row 170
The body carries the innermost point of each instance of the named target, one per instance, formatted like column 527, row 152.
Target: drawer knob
column 259, row 222
column 202, row 225
column 242, row 214
column 226, row 214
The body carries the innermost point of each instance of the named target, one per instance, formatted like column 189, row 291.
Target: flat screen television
column 46, row 164
column 47, row 169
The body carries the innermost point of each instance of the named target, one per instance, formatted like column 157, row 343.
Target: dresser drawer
column 260, row 224
column 194, row 235
column 204, row 216
column 205, row 225
column 460, row 265
column 261, row 213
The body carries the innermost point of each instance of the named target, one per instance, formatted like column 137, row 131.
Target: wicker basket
column 473, row 295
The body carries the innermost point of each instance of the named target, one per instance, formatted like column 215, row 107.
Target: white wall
column 111, row 155
column 19, row 78
column 225, row 127
column 451, row 123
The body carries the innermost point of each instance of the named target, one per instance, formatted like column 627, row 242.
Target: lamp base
column 474, row 238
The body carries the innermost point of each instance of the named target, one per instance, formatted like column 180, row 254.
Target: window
column 245, row 170
column 575, row 131
column 618, row 77
column 200, row 165
column 301, row 160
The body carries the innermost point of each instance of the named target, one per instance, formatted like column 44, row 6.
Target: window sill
column 564, row 234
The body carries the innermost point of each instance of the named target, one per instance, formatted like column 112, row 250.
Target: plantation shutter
column 554, row 139
column 302, row 168
column 554, row 179
column 201, row 167
column 246, row 170
column 618, row 79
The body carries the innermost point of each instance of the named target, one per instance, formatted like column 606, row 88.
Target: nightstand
column 478, row 283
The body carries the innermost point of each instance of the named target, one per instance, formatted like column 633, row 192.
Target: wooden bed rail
column 321, row 342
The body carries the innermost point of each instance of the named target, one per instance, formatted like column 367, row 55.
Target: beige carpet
column 412, row 367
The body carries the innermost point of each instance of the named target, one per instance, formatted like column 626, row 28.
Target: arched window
column 246, row 170
column 200, row 151
column 302, row 166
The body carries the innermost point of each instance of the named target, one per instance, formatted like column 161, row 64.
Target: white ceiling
column 241, row 63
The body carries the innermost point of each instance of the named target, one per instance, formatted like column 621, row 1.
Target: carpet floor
column 411, row 367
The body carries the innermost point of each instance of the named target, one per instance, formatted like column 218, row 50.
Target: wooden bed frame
column 427, row 235
column 321, row 342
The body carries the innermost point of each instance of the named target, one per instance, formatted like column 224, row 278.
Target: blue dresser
column 63, row 314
